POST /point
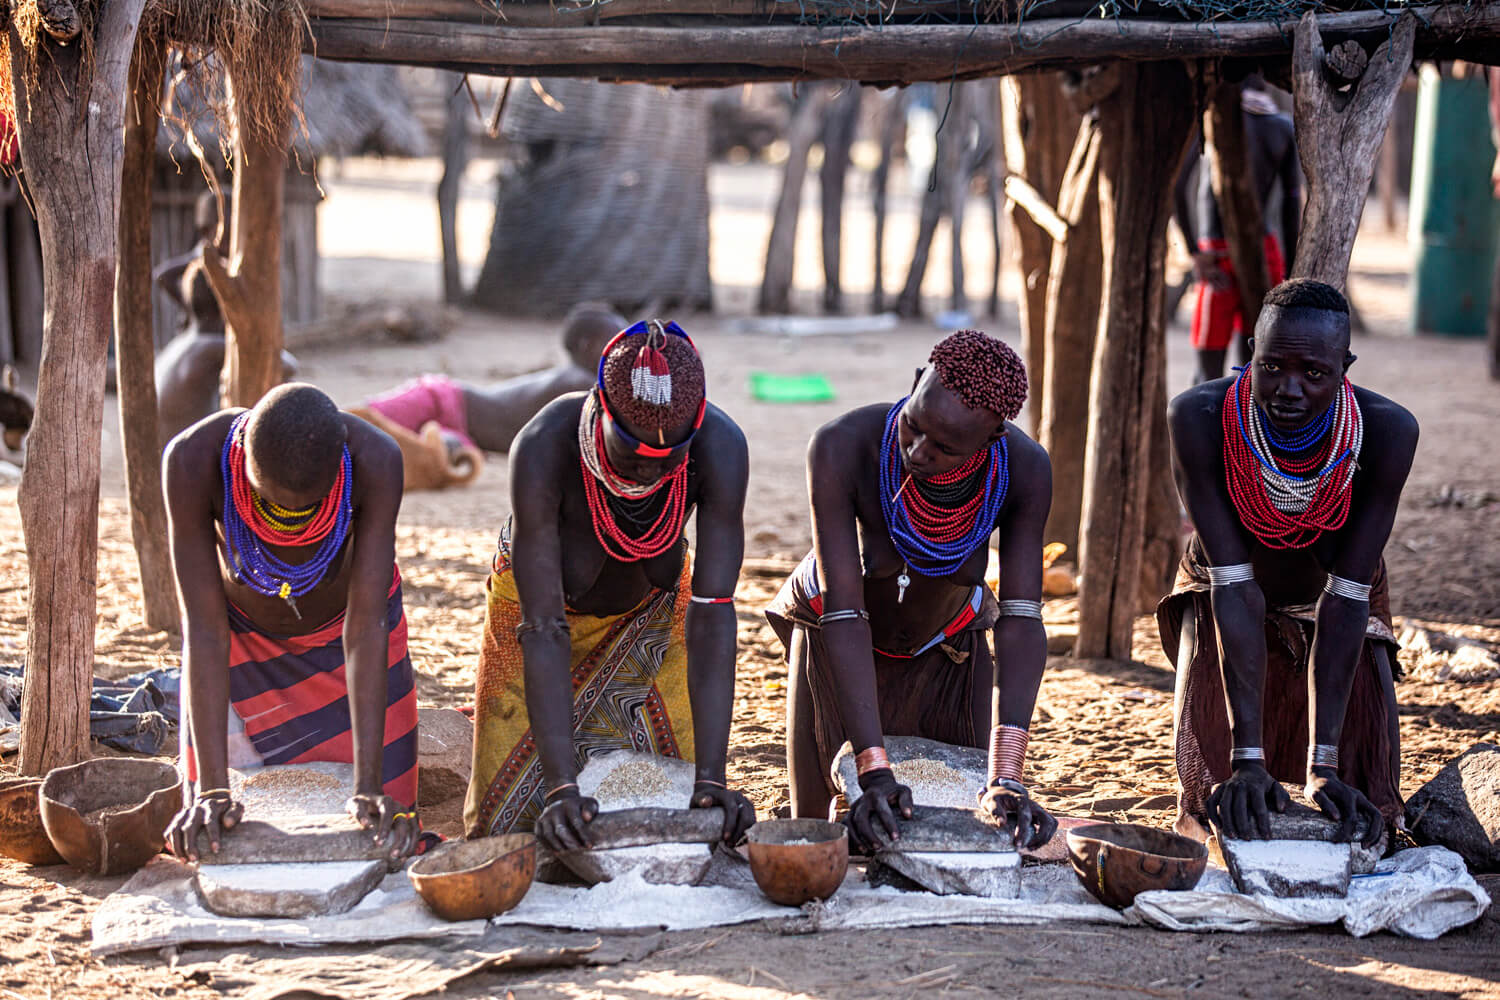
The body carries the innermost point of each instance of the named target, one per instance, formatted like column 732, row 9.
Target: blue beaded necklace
column 928, row 557
column 249, row 558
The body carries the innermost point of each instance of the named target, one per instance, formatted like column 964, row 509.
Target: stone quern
column 1460, row 808
column 938, row 774
column 445, row 755
column 320, row 888
column 1296, row 869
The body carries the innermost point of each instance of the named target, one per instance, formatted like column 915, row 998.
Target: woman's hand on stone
column 563, row 825
column 1029, row 824
column 739, row 814
column 1346, row 806
column 395, row 826
column 210, row 814
column 1241, row 806
column 883, row 797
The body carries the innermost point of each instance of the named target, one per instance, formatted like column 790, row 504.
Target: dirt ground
column 1101, row 736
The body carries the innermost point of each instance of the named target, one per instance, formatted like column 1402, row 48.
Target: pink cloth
column 423, row 399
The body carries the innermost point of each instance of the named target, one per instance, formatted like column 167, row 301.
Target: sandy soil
column 1101, row 734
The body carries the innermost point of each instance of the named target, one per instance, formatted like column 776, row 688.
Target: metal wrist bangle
column 1323, row 755
column 560, row 788
column 1255, row 754
column 1011, row 785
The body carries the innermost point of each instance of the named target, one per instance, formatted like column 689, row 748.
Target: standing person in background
column 1272, row 147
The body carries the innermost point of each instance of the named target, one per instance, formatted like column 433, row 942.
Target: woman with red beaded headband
column 600, row 633
column 1291, row 475
column 885, row 622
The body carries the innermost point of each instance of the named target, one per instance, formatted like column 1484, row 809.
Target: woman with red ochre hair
column 600, row 633
column 884, row 623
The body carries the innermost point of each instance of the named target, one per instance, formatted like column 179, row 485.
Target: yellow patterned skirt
column 630, row 692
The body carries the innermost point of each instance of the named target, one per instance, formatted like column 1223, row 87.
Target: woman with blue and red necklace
column 283, row 529
column 600, row 633
column 886, row 622
column 1280, row 621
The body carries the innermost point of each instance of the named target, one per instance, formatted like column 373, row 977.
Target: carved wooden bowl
column 1117, row 861
column 798, row 860
column 22, row 835
column 110, row 815
column 476, row 879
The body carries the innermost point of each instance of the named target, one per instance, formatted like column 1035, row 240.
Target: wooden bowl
column 110, row 815
column 798, row 860
column 22, row 835
column 1116, row 861
column 476, row 879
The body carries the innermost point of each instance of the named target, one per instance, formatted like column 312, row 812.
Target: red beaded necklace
column 273, row 523
column 935, row 522
column 663, row 532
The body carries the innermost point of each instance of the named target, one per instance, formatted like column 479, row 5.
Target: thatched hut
column 347, row 109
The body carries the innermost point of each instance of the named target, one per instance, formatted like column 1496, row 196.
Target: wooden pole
column 1338, row 139
column 455, row 159
column 715, row 51
column 1036, row 123
column 781, row 245
column 135, row 341
column 1240, row 209
column 1070, row 322
column 1144, row 128
column 248, row 285
column 70, row 113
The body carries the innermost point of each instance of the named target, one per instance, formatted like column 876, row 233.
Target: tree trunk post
column 1144, row 128
column 841, row 118
column 135, row 342
column 248, row 285
column 1234, row 188
column 1338, row 141
column 455, row 158
column 1070, row 322
column 70, row 113
column 892, row 118
column 1036, row 125
column 781, row 246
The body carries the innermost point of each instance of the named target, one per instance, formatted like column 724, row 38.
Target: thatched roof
column 349, row 109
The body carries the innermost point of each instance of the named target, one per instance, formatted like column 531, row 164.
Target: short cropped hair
column 295, row 436
column 1305, row 293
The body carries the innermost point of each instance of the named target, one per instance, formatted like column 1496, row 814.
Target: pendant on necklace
column 902, row 582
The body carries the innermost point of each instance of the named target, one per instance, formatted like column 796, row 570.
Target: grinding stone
column 1289, row 869
column 997, row 876
column 321, row 888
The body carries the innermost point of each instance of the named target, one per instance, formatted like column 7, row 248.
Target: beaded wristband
column 1021, row 609
column 711, row 600
column 1323, row 755
column 1342, row 587
column 846, row 615
column 871, row 759
column 1256, row 754
column 1223, row 576
column 214, row 793
column 560, row 788
column 1008, row 752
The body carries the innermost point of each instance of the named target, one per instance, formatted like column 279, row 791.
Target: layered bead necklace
column 938, row 523
column 251, row 523
column 1287, row 503
column 613, row 498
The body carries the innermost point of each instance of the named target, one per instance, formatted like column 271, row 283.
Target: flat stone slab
column 938, row 774
column 629, row 780
column 995, row 876
column 319, row 888
column 1289, row 869
column 1302, row 822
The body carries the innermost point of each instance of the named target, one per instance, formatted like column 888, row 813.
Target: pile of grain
column 934, row 783
column 292, row 791
column 638, row 779
column 96, row 815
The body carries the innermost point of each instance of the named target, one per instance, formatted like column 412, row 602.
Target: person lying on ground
column 600, row 633
column 282, row 522
column 188, row 368
column 489, row 418
column 1281, row 598
column 885, row 622
column 1271, row 145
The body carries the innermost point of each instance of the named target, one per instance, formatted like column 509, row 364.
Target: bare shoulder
column 1196, row 416
column 374, row 454
column 840, row 439
column 192, row 457
column 1389, row 424
column 720, row 439
column 548, row 437
column 1028, row 459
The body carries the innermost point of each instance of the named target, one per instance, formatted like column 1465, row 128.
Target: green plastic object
column 812, row 388
column 1455, row 218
